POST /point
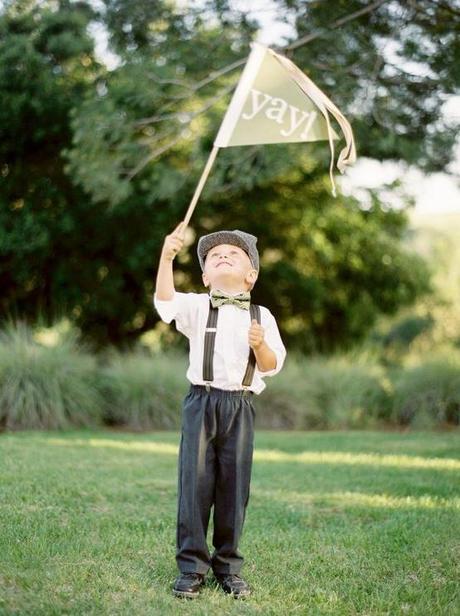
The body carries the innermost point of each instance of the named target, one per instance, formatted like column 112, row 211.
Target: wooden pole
column 201, row 183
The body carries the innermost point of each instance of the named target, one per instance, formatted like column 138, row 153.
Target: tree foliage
column 98, row 165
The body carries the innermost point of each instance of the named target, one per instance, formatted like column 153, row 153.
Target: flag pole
column 201, row 183
column 230, row 119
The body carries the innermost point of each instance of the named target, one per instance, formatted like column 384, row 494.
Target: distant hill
column 449, row 221
column 437, row 238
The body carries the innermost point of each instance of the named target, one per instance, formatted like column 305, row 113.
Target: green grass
column 338, row 523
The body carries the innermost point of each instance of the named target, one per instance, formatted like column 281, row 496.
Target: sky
column 438, row 192
column 435, row 193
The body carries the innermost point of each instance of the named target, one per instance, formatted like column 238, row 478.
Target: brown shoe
column 234, row 585
column 188, row 585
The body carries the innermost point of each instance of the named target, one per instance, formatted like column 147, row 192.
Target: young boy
column 233, row 345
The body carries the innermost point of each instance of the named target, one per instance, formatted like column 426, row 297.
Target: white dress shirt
column 190, row 311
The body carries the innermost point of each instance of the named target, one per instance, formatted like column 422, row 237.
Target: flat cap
column 243, row 240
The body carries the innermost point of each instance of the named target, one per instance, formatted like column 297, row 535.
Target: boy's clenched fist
column 256, row 335
column 173, row 242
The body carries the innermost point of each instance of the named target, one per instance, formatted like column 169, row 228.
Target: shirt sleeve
column 183, row 308
column 273, row 339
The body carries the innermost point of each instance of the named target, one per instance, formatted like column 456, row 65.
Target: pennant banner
column 275, row 102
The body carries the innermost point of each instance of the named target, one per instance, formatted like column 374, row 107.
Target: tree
column 139, row 136
column 46, row 63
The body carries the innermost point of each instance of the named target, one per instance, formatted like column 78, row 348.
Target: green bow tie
column 242, row 300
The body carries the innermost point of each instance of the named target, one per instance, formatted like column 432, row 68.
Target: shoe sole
column 183, row 594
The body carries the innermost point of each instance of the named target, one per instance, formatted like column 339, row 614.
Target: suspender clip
column 208, row 387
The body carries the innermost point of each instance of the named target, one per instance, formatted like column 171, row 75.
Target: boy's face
column 229, row 266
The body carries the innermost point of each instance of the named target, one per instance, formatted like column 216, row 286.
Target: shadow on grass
column 273, row 455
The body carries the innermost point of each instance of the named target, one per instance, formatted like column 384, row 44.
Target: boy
column 233, row 345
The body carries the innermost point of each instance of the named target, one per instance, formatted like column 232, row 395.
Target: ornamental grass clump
column 46, row 386
column 429, row 394
column 328, row 392
column 344, row 393
column 144, row 391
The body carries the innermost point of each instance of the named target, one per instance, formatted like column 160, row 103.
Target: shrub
column 336, row 392
column 142, row 391
column 429, row 393
column 46, row 387
column 63, row 385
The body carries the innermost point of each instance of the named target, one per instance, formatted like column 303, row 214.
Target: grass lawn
column 338, row 523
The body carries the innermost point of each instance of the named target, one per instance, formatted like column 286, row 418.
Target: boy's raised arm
column 164, row 289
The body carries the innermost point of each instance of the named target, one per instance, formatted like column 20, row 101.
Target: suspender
column 249, row 374
column 210, row 341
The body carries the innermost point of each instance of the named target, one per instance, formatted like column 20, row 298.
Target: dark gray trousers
column 215, row 462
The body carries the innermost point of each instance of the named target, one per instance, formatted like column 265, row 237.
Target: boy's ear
column 205, row 279
column 252, row 276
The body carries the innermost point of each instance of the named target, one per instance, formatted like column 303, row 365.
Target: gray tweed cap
column 246, row 241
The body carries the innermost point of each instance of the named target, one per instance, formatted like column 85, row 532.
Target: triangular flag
column 275, row 102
